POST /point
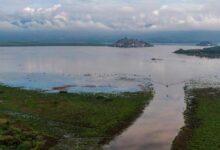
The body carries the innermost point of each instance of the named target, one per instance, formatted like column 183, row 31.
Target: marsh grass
column 202, row 121
column 92, row 119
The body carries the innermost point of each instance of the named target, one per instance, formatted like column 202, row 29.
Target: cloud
column 4, row 25
column 63, row 16
column 187, row 16
column 112, row 15
column 40, row 18
column 156, row 12
column 127, row 9
column 50, row 18
column 42, row 10
column 85, row 25
column 29, row 10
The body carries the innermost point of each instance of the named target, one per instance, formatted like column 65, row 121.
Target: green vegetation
column 202, row 118
column 212, row 52
column 63, row 119
column 14, row 135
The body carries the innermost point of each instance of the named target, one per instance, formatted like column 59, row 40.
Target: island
column 205, row 43
column 211, row 52
column 131, row 43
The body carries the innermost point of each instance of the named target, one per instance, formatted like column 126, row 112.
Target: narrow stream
column 158, row 125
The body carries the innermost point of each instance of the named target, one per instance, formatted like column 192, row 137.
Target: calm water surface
column 105, row 69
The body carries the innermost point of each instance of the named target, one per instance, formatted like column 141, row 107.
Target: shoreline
column 84, row 44
column 185, row 133
column 197, row 120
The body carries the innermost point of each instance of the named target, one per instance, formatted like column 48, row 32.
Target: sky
column 109, row 16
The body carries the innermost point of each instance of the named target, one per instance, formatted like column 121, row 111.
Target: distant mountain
column 205, row 43
column 11, row 44
column 106, row 38
column 131, row 43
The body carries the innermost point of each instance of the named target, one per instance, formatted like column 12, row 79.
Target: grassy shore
column 30, row 119
column 202, row 119
column 211, row 52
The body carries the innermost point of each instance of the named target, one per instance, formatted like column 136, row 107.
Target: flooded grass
column 89, row 119
column 202, row 118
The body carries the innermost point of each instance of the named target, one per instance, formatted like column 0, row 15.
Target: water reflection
column 158, row 125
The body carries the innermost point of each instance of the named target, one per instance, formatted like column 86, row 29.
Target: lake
column 107, row 69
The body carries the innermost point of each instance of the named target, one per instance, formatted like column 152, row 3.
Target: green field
column 202, row 118
column 30, row 119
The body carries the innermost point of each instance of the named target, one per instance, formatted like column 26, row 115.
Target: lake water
column 106, row 69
